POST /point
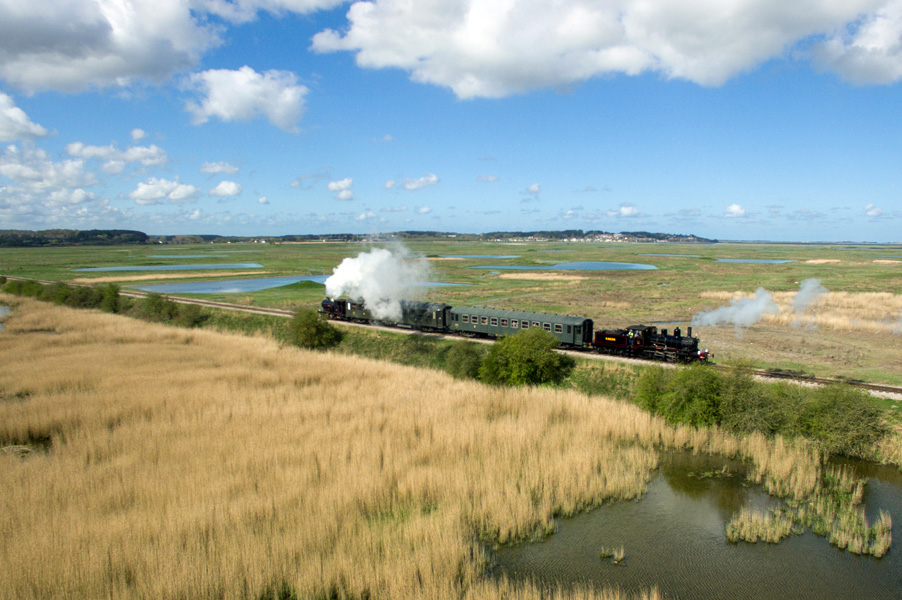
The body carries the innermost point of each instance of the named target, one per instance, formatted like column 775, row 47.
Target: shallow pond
column 238, row 286
column 758, row 261
column 587, row 265
column 3, row 310
column 499, row 256
column 677, row 255
column 674, row 539
column 231, row 286
column 176, row 267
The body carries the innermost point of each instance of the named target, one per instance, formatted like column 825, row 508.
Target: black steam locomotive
column 577, row 333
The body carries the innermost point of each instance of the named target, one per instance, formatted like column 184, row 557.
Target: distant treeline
column 109, row 237
column 70, row 237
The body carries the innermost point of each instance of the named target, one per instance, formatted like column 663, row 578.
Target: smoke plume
column 741, row 313
column 809, row 291
column 381, row 279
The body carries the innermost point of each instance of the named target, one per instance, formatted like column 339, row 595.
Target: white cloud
column 245, row 94
column 424, row 210
column 868, row 50
column 157, row 191
column 389, row 184
column 218, row 167
column 366, row 215
column 117, row 160
column 392, row 209
column 138, row 135
column 342, row 188
column 34, row 172
column 495, row 49
column 416, row 184
column 487, row 178
column 71, row 45
column 42, row 193
column 262, row 200
column 625, row 210
column 15, row 124
column 226, row 188
column 734, row 211
column 534, row 189
column 242, row 11
column 872, row 210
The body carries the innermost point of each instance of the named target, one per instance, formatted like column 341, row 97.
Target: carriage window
column 546, row 326
column 536, row 324
column 558, row 328
column 485, row 320
column 466, row 318
column 504, row 322
column 525, row 325
column 568, row 328
column 494, row 321
column 515, row 323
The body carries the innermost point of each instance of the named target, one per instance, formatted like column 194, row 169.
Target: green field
column 855, row 331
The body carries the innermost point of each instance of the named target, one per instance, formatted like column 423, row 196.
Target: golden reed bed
column 193, row 464
column 872, row 312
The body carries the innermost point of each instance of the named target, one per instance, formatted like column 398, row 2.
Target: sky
column 727, row 119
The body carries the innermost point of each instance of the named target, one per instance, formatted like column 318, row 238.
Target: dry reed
column 186, row 463
column 871, row 312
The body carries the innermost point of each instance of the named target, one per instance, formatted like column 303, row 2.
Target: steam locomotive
column 577, row 333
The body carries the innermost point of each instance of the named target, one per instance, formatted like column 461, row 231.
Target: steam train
column 576, row 333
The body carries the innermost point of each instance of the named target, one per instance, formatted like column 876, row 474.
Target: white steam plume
column 380, row 278
column 741, row 313
column 809, row 291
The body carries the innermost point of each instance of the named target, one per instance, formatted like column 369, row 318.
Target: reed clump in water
column 615, row 554
column 833, row 510
column 751, row 525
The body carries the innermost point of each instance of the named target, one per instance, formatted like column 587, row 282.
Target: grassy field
column 147, row 461
column 852, row 331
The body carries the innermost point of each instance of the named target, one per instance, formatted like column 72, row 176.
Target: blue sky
column 730, row 119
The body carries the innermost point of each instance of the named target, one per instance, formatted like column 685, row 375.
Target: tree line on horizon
column 15, row 238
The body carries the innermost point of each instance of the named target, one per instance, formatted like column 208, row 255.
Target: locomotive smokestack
column 689, row 331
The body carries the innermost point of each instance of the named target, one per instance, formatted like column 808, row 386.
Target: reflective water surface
column 586, row 265
column 231, row 286
column 674, row 539
column 255, row 284
column 759, row 261
column 176, row 267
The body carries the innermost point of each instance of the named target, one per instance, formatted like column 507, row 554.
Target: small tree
column 464, row 359
column 525, row 358
column 310, row 330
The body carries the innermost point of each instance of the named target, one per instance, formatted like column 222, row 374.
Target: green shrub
column 748, row 407
column 651, row 387
column 190, row 315
column 156, row 308
column 842, row 420
column 110, row 300
column 464, row 359
column 2, row 279
column 309, row 329
column 693, row 396
column 27, row 287
column 525, row 358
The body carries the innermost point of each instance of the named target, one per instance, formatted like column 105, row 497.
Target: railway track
column 772, row 374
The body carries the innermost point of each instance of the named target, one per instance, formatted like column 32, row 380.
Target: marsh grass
column 870, row 312
column 198, row 464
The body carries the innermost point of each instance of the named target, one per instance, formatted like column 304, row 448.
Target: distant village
column 104, row 237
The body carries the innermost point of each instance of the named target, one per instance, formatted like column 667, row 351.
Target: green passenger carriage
column 571, row 332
